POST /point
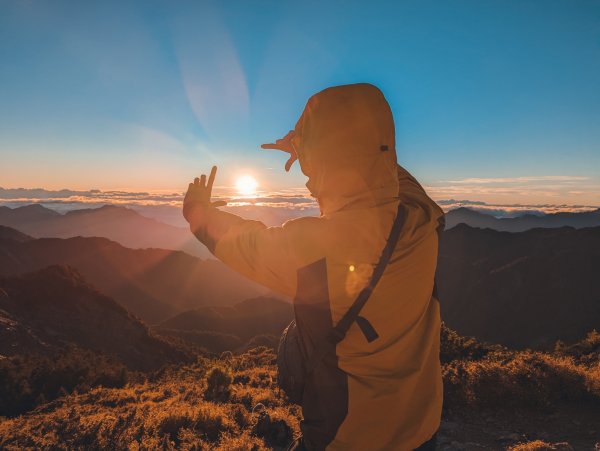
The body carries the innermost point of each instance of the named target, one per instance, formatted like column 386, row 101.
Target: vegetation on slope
column 233, row 403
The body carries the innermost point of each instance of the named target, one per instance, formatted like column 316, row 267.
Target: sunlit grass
column 233, row 402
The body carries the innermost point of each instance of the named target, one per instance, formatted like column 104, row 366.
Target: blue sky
column 493, row 100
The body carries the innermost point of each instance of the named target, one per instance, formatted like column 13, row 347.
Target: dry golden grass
column 539, row 445
column 527, row 379
column 233, row 403
column 186, row 408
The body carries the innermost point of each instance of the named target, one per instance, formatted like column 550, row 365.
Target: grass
column 524, row 380
column 232, row 402
column 211, row 404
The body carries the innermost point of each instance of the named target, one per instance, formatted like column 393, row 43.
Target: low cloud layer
column 271, row 208
column 276, row 207
column 558, row 190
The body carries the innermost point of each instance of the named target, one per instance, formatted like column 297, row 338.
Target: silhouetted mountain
column 151, row 283
column 55, row 307
column 7, row 233
column 520, row 289
column 33, row 213
column 522, row 223
column 119, row 224
column 219, row 328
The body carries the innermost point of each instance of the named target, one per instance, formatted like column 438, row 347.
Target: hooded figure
column 378, row 394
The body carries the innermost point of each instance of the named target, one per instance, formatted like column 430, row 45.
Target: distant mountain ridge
column 525, row 289
column 522, row 223
column 45, row 311
column 120, row 224
column 8, row 233
column 151, row 283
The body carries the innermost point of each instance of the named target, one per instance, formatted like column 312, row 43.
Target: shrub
column 218, row 386
column 456, row 347
column 31, row 380
column 539, row 445
column 275, row 432
column 587, row 351
column 518, row 380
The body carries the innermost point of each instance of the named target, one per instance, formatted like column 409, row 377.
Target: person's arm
column 263, row 254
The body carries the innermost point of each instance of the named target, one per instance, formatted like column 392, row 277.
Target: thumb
column 290, row 162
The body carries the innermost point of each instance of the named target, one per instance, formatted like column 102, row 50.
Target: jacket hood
column 345, row 143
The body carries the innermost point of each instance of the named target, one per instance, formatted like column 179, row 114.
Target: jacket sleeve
column 264, row 254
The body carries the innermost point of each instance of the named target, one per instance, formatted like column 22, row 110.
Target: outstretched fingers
column 273, row 146
column 281, row 144
column 211, row 178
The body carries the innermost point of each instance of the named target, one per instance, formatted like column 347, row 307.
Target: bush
column 539, row 445
column 275, row 432
column 28, row 381
column 587, row 351
column 218, row 384
column 456, row 347
column 526, row 379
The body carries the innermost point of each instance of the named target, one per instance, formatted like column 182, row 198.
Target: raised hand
column 199, row 193
column 285, row 144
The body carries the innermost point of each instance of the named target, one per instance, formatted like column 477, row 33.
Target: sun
column 246, row 185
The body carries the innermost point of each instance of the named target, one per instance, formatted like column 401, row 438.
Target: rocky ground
column 567, row 428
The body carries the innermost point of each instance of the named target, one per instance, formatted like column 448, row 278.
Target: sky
column 494, row 101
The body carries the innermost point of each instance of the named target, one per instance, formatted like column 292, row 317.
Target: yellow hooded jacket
column 380, row 395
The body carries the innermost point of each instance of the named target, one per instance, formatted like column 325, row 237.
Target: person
column 382, row 393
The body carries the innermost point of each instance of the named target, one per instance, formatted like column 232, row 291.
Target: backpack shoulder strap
column 337, row 333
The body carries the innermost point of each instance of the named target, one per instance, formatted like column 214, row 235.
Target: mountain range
column 45, row 311
column 154, row 284
column 525, row 289
column 120, row 224
column 521, row 290
column 522, row 223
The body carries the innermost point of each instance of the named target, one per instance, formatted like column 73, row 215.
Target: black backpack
column 294, row 363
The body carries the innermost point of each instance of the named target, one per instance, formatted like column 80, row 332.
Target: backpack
column 294, row 363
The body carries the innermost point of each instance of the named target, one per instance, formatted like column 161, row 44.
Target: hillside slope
column 119, row 224
column 151, row 283
column 8, row 233
column 493, row 399
column 54, row 308
column 257, row 321
column 524, row 289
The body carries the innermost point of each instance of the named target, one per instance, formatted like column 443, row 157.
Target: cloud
column 529, row 190
column 272, row 208
column 513, row 180
column 513, row 210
